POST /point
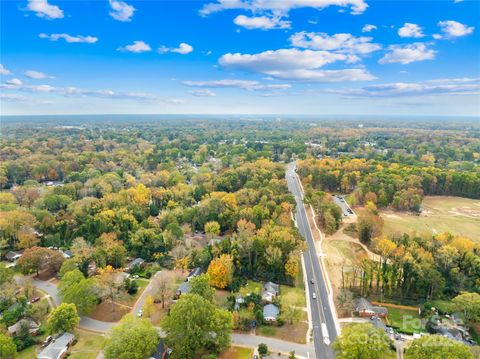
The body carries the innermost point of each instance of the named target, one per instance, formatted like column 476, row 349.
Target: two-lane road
column 324, row 330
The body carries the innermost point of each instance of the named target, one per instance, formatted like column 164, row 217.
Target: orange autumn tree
column 221, row 271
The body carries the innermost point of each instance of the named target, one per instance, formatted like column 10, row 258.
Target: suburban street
column 322, row 315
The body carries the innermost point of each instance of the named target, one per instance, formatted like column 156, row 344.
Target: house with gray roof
column 58, row 348
column 365, row 309
column 33, row 326
column 270, row 291
column 270, row 312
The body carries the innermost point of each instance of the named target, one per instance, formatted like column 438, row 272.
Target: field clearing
column 440, row 214
column 237, row 353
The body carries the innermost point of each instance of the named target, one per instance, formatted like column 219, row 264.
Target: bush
column 262, row 349
column 133, row 287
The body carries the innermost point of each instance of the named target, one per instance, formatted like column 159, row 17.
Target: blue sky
column 240, row 57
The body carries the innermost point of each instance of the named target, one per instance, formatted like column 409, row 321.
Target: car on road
column 47, row 341
column 34, row 300
column 349, row 211
column 311, row 281
column 314, row 295
column 139, row 313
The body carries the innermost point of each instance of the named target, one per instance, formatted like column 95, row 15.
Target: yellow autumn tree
column 148, row 307
column 221, row 271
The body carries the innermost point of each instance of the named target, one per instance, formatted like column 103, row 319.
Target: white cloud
column 453, row 29
column 296, row 65
column 14, row 82
column 43, row 9
column 35, row 74
column 70, row 38
column 183, row 49
column 4, row 70
column 11, row 97
column 410, row 30
column 464, row 86
column 407, row 54
column 233, row 83
column 137, row 47
column 121, row 11
column 281, row 7
column 203, row 93
column 261, row 22
column 337, row 42
column 369, row 28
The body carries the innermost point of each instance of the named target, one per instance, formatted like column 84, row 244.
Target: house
column 366, row 309
column 66, row 254
column 194, row 273
column 183, row 289
column 58, row 348
column 162, row 351
column 270, row 291
column 137, row 262
column 270, row 312
column 12, row 256
column 33, row 327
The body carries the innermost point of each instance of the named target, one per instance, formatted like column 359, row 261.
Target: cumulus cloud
column 407, row 54
column 14, row 82
column 410, row 30
column 183, row 49
column 261, row 22
column 337, row 42
column 461, row 86
column 453, row 29
column 69, row 38
column 4, row 70
column 369, row 28
column 296, row 65
column 203, row 93
column 121, row 11
column 37, row 75
column 280, row 7
column 45, row 10
column 233, row 83
column 137, row 47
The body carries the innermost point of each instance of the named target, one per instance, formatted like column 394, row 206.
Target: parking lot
column 340, row 201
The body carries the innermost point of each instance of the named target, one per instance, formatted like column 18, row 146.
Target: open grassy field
column 440, row 214
column 237, row 353
column 408, row 321
column 88, row 345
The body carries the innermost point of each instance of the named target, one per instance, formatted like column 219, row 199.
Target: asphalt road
column 322, row 315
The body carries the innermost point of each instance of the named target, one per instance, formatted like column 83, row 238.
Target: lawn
column 130, row 299
column 408, row 321
column 251, row 287
column 288, row 332
column 88, row 345
column 294, row 295
column 237, row 353
column 440, row 214
column 28, row 353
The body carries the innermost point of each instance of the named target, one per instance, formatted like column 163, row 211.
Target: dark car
column 311, row 281
column 34, row 300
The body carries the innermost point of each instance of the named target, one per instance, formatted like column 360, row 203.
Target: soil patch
column 104, row 312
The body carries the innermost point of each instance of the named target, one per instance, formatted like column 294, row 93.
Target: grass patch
column 251, row 287
column 407, row 321
column 28, row 353
column 220, row 298
column 443, row 306
column 88, row 345
column 130, row 299
column 440, row 214
column 237, row 353
column 293, row 295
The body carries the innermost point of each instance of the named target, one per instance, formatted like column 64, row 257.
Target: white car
column 314, row 295
column 139, row 313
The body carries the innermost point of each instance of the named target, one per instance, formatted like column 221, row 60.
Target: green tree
column 212, row 229
column 8, row 348
column 437, row 347
column 262, row 349
column 83, row 294
column 361, row 341
column 469, row 304
column 68, row 279
column 133, row 338
column 201, row 285
column 63, row 318
column 194, row 324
